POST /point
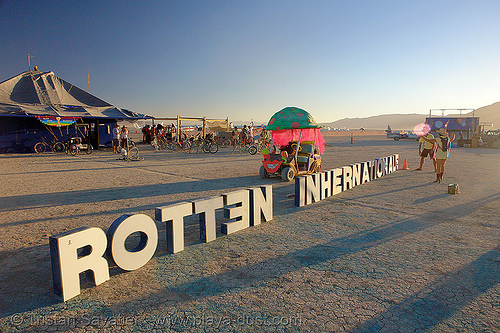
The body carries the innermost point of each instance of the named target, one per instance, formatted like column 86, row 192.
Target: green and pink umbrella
column 292, row 124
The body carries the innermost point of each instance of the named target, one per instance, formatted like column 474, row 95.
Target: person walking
column 124, row 138
column 427, row 151
column 443, row 142
column 116, row 139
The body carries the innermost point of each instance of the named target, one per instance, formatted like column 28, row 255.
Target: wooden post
column 178, row 136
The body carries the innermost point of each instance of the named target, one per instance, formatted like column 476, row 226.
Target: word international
column 319, row 186
column 85, row 249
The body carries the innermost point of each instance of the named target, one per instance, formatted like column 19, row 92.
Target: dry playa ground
column 398, row 254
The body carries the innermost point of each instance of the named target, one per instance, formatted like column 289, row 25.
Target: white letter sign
column 67, row 264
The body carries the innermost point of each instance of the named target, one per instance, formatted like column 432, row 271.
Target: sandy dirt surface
column 398, row 254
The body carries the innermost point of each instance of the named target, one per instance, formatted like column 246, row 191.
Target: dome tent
column 34, row 94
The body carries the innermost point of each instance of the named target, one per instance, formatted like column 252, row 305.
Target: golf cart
column 301, row 145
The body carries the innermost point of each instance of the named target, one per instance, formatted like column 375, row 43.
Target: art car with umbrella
column 301, row 145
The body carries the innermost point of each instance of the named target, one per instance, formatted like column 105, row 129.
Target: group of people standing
column 120, row 138
column 438, row 150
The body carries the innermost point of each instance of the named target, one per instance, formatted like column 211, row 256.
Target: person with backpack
column 442, row 145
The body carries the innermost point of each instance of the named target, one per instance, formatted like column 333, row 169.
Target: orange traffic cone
column 405, row 165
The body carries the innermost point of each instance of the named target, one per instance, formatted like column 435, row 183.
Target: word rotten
column 83, row 249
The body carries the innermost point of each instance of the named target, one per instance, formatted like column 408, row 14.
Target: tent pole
column 298, row 145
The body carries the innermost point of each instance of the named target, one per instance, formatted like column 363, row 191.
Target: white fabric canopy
column 43, row 93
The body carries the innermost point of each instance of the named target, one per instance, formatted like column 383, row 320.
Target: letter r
column 67, row 264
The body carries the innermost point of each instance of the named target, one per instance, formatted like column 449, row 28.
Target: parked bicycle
column 76, row 144
column 200, row 145
column 131, row 155
column 181, row 145
column 53, row 146
column 222, row 142
column 242, row 147
column 131, row 143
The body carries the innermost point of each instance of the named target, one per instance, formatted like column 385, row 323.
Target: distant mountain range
column 488, row 114
column 396, row 121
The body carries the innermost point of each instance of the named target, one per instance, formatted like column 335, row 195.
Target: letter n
column 313, row 188
column 261, row 204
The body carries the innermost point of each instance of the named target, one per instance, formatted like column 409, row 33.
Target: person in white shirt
column 116, row 139
column 124, row 138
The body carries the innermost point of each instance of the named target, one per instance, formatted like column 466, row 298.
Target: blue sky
column 248, row 59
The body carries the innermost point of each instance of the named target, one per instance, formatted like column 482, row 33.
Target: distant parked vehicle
column 397, row 135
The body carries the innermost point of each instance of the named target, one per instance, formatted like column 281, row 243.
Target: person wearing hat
column 427, row 151
column 124, row 138
column 116, row 139
column 443, row 142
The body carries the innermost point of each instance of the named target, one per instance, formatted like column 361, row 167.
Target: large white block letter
column 238, row 214
column 347, row 178
column 313, row 188
column 365, row 178
column 206, row 209
column 326, row 184
column 118, row 233
column 67, row 264
column 300, row 191
column 261, row 204
column 337, row 180
column 174, row 215
column 356, row 174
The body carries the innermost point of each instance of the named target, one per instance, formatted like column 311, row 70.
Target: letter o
column 123, row 227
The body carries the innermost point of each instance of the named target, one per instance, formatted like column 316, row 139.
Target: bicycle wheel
column 214, row 148
column 186, row 145
column 206, row 147
column 40, row 148
column 58, row 147
column 73, row 150
column 192, row 148
column 252, row 150
column 236, row 146
column 133, row 153
column 177, row 146
column 89, row 149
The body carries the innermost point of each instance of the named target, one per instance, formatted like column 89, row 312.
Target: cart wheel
column 287, row 174
column 89, row 149
column 39, row 148
column 58, row 147
column 263, row 172
column 73, row 150
column 252, row 150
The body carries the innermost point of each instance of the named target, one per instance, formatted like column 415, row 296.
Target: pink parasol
column 421, row 129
